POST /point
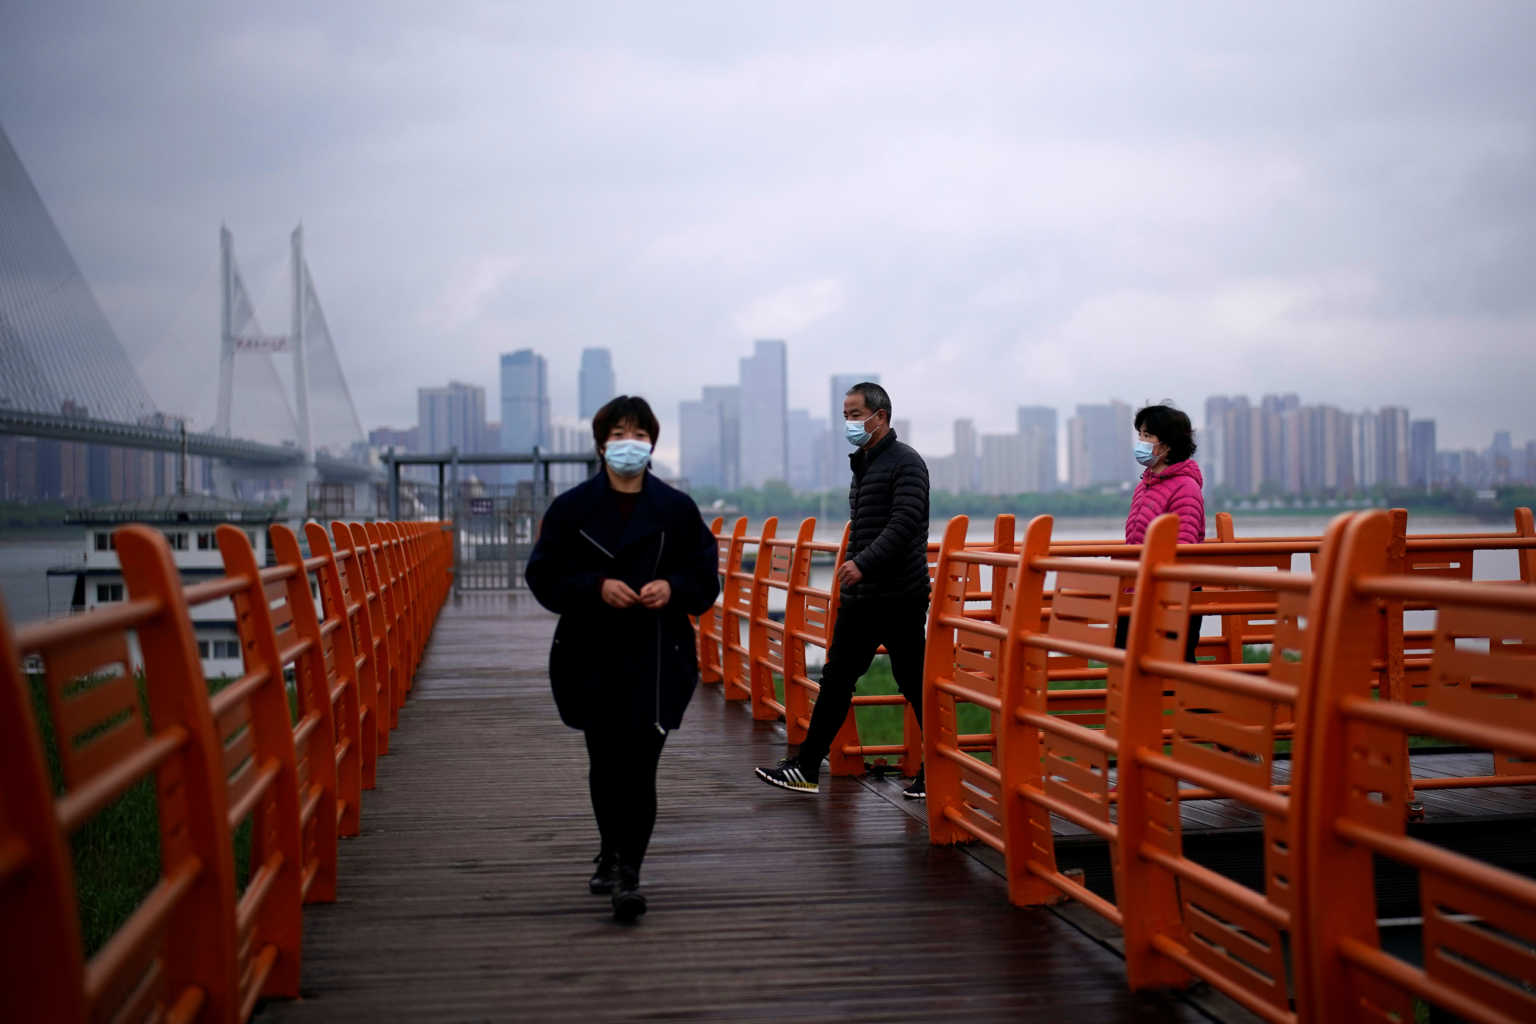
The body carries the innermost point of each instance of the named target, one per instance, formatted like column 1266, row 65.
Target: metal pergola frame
column 448, row 464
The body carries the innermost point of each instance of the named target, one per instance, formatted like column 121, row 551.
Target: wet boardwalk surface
column 465, row 896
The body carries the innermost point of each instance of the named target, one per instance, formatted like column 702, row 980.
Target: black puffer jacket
column 888, row 503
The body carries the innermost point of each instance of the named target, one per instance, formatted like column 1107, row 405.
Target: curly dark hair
column 1170, row 426
column 631, row 409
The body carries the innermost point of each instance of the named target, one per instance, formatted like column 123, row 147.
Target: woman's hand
column 656, row 594
column 619, row 594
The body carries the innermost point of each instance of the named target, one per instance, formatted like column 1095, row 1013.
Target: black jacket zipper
column 660, row 546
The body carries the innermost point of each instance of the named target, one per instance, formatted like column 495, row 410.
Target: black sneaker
column 628, row 903
column 789, row 774
column 606, row 875
column 918, row 789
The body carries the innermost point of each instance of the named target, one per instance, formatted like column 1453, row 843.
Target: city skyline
column 1275, row 445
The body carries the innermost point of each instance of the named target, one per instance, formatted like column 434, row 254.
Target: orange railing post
column 710, row 663
column 735, row 598
column 381, row 612
column 367, row 638
column 314, row 666
column 764, row 646
column 261, row 772
column 42, row 973
column 356, row 743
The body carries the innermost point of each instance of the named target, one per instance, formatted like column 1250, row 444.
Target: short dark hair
column 631, row 409
column 1170, row 426
column 875, row 398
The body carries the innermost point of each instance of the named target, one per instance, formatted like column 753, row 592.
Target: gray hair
column 875, row 398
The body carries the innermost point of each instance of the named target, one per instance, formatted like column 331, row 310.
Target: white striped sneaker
column 788, row 774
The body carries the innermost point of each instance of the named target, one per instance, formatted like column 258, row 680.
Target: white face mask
column 627, row 457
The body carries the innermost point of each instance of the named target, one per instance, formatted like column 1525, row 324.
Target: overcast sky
column 988, row 204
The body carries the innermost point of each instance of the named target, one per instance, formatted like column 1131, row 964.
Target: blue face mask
column 1143, row 452
column 626, row 457
column 854, row 431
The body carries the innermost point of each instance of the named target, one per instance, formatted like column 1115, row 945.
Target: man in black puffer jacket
column 883, row 581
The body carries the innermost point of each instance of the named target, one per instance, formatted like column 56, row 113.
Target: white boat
column 188, row 522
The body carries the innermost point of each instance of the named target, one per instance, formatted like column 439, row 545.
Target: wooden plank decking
column 465, row 896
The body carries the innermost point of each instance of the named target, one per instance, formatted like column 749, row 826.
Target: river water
column 25, row 556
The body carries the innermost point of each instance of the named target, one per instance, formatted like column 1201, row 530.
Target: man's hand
column 848, row 574
column 656, row 594
column 619, row 594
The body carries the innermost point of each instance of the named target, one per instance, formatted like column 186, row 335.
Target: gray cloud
column 992, row 205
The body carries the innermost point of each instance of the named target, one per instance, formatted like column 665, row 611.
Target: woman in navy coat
column 624, row 560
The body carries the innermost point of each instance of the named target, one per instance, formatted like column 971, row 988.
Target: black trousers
column 901, row 624
column 622, row 777
column 1191, row 640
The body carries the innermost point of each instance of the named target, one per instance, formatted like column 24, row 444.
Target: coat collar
column 605, row 524
column 860, row 458
column 647, row 517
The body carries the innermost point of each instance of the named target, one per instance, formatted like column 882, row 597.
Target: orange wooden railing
column 1174, row 731
column 199, row 946
column 747, row 647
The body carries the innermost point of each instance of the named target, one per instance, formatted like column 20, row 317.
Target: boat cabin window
column 205, row 541
column 109, row 592
column 105, row 541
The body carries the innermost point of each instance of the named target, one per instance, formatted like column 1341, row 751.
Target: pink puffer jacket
column 1177, row 489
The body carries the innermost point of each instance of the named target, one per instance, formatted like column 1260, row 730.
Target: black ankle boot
column 628, row 903
column 606, row 875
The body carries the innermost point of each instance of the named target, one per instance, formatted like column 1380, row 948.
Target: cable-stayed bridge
column 284, row 409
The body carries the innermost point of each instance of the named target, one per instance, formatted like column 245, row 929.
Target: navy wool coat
column 623, row 667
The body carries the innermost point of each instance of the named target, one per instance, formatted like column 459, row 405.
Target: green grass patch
column 116, row 854
column 881, row 726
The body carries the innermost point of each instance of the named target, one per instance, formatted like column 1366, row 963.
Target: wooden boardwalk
column 465, row 896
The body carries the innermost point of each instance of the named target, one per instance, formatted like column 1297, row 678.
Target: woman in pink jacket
column 1171, row 482
column 1165, row 444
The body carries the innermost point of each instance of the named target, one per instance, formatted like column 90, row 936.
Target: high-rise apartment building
column 1501, row 461
column 1099, row 442
column 807, row 443
column 595, row 385
column 1231, row 448
column 765, row 408
column 727, row 401
column 699, row 449
column 1421, row 454
column 1367, row 450
column 1275, row 458
column 1212, row 441
column 451, row 417
column 1393, row 442
column 1009, row 463
column 966, row 472
column 525, row 413
column 1037, row 424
